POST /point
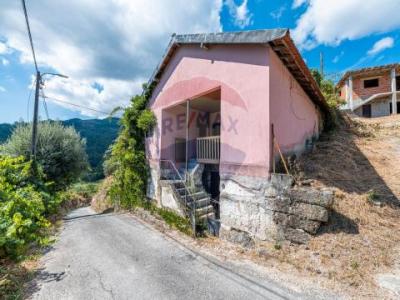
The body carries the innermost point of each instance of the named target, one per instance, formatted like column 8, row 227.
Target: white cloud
column 116, row 43
column 277, row 14
column 2, row 89
column 3, row 48
column 330, row 22
column 381, row 45
column 298, row 3
column 5, row 61
column 240, row 13
column 336, row 59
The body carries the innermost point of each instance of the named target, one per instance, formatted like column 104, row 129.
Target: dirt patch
column 15, row 276
column 360, row 161
column 101, row 202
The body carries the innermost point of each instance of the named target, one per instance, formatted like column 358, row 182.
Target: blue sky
column 109, row 48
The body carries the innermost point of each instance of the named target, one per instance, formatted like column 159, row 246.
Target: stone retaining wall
column 271, row 209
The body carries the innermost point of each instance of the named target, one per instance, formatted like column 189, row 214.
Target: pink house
column 220, row 99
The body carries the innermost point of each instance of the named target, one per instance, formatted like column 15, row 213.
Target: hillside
column 99, row 134
column 5, row 132
column 358, row 161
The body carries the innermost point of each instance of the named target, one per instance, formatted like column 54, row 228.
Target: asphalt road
column 115, row 256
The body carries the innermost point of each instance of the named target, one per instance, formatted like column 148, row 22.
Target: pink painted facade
column 295, row 118
column 256, row 90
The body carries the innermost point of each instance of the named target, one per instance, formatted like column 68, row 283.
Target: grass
column 359, row 240
column 85, row 189
column 14, row 275
column 171, row 218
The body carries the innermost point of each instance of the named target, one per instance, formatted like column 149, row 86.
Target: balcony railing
column 208, row 149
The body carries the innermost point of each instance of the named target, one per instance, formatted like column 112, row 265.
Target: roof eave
column 278, row 39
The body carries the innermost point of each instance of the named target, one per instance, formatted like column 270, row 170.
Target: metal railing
column 168, row 171
column 208, row 149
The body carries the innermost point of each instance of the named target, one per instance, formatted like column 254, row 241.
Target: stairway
column 194, row 200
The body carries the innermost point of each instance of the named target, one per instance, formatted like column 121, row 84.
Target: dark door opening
column 211, row 180
column 397, row 108
column 366, row 110
column 180, row 150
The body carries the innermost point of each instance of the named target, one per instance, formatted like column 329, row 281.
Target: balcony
column 208, row 149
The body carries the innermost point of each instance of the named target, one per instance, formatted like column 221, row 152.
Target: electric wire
column 27, row 107
column 45, row 108
column 76, row 105
column 29, row 34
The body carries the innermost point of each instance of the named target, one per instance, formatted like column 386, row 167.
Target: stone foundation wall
column 153, row 190
column 168, row 199
column 271, row 209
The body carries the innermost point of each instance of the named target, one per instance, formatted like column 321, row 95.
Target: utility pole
column 39, row 77
column 35, row 116
column 321, row 64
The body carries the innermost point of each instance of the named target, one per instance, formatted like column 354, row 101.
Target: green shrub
column 84, row 189
column 331, row 95
column 128, row 158
column 24, row 203
column 60, row 151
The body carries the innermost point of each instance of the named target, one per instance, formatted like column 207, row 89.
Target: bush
column 60, row 151
column 128, row 158
column 331, row 95
column 24, row 203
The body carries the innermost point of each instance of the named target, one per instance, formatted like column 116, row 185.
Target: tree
column 328, row 89
column 60, row 151
column 127, row 160
column 331, row 95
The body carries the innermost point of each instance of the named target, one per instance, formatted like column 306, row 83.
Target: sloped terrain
column 361, row 162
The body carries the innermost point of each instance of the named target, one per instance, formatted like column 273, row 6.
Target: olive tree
column 60, row 151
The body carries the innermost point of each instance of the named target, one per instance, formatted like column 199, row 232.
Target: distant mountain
column 5, row 132
column 99, row 134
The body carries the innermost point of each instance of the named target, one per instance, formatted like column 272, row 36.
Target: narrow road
column 115, row 256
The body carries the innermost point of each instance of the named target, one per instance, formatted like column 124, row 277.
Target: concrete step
column 196, row 196
column 200, row 203
column 210, row 215
column 204, row 210
column 178, row 184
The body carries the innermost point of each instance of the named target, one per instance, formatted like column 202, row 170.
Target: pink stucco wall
column 256, row 90
column 241, row 72
column 294, row 116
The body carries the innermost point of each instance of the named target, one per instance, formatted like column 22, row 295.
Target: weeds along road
column 115, row 256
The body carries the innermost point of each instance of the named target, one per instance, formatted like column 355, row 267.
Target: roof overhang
column 279, row 40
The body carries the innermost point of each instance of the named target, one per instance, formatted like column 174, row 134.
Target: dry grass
column 361, row 162
column 14, row 277
column 101, row 202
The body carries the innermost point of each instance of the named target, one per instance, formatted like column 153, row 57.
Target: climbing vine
column 128, row 155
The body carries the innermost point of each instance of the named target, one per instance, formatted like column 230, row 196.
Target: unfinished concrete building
column 371, row 92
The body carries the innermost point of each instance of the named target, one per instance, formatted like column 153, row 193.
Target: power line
column 27, row 108
column 29, row 34
column 76, row 105
column 45, row 109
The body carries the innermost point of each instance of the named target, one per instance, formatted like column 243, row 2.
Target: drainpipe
column 350, row 92
column 394, row 94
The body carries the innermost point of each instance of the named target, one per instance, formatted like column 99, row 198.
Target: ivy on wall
column 128, row 156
